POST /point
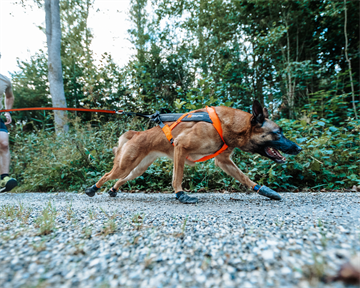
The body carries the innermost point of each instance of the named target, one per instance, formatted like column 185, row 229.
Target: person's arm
column 9, row 102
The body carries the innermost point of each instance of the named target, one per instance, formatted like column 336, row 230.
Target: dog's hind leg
column 138, row 170
column 131, row 156
column 124, row 139
column 125, row 161
column 117, row 170
column 228, row 166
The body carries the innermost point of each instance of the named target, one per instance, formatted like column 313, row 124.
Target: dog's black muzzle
column 287, row 146
column 271, row 149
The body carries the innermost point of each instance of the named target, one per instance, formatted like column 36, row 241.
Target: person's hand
column 8, row 118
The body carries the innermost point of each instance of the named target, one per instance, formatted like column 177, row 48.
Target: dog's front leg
column 179, row 162
column 224, row 162
column 228, row 166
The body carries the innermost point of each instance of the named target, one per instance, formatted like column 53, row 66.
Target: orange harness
column 217, row 125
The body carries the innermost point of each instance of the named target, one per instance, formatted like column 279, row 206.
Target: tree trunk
column 291, row 88
column 53, row 37
column 349, row 62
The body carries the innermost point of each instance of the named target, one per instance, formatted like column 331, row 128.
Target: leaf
column 315, row 166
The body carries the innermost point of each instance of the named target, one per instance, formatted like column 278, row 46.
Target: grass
column 41, row 246
column 79, row 249
column 69, row 212
column 316, row 271
column 137, row 221
column 13, row 212
column 111, row 217
column 134, row 241
column 8, row 211
column 109, row 228
column 8, row 237
column 206, row 262
column 87, row 231
column 323, row 239
column 92, row 214
column 104, row 284
column 148, row 261
column 41, row 284
column 46, row 221
column 183, row 228
column 278, row 223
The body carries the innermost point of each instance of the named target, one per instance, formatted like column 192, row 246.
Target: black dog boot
column 267, row 192
column 185, row 199
column 112, row 192
column 91, row 191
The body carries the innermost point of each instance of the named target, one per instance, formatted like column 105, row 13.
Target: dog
column 253, row 133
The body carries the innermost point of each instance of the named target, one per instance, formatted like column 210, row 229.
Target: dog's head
column 267, row 138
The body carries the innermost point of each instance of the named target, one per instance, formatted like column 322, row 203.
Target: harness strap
column 167, row 129
column 179, row 120
column 217, row 125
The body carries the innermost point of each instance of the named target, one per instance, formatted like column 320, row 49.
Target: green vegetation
column 109, row 228
column 137, row 221
column 46, row 220
column 13, row 212
column 290, row 55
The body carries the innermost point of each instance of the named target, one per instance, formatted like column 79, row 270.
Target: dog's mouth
column 275, row 155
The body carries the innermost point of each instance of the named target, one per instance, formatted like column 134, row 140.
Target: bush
column 43, row 162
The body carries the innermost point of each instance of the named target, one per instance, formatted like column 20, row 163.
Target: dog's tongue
column 275, row 153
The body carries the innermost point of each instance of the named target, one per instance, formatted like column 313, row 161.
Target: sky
column 20, row 36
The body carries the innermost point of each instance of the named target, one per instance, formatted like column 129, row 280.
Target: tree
column 349, row 62
column 139, row 36
column 53, row 36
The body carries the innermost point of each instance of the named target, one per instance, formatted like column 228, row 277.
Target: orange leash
column 63, row 109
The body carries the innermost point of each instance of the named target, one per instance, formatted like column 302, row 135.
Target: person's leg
column 4, row 153
column 6, row 183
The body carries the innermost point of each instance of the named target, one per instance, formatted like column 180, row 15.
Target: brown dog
column 253, row 133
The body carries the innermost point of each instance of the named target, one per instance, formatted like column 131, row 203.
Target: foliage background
column 290, row 55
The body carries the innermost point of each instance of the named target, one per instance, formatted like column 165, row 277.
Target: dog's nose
column 298, row 149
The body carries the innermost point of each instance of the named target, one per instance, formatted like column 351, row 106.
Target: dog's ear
column 266, row 113
column 258, row 113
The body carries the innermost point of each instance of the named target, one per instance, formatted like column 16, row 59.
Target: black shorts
column 2, row 126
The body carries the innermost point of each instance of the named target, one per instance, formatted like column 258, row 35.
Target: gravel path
column 151, row 240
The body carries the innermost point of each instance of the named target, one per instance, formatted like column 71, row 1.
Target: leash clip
column 156, row 118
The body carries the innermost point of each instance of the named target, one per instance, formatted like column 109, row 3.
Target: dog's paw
column 112, row 192
column 267, row 192
column 185, row 199
column 90, row 191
